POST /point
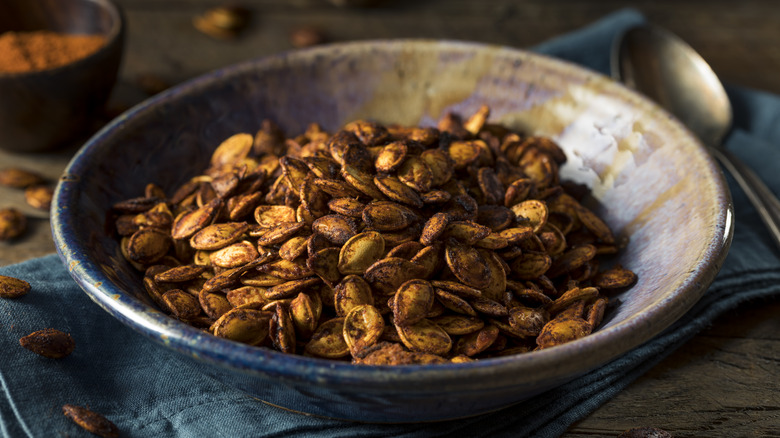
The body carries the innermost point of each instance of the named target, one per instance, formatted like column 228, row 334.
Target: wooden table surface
column 723, row 383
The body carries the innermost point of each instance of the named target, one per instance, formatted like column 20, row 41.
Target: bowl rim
column 560, row 363
column 113, row 36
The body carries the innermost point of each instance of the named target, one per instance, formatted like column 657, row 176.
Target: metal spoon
column 663, row 67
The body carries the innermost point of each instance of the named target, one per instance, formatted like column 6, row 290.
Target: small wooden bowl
column 42, row 110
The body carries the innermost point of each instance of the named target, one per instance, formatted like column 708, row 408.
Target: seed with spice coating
column 91, row 421
column 11, row 287
column 50, row 343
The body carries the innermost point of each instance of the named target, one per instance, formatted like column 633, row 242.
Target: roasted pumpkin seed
column 614, row 278
column 363, row 326
column 434, row 228
column 387, row 274
column 148, row 245
column 388, row 216
column 49, row 342
column 189, row 223
column 11, row 287
column 91, row 421
column 270, row 216
column 181, row 304
column 282, row 330
column 248, row 326
column 247, row 297
column 467, row 232
column 426, row 337
column 528, row 321
column 336, row 228
column 561, row 330
column 213, row 304
column 12, row 223
column 360, row 252
column 347, row 206
column 325, row 263
column 388, row 353
column 394, row 189
column 454, row 302
column 352, row 291
column 391, row 157
column 39, row 196
column 457, row 325
column 412, row 302
column 305, row 312
column 474, row 343
column 467, row 264
column 416, row 174
column 328, row 340
column 19, row 178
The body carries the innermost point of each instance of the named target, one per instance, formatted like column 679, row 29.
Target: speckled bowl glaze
column 652, row 180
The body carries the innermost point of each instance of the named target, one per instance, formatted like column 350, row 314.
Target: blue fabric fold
column 148, row 392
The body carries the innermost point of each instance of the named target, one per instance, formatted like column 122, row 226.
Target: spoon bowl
column 666, row 69
column 669, row 71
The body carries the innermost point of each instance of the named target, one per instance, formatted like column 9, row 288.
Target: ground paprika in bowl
column 58, row 64
column 22, row 52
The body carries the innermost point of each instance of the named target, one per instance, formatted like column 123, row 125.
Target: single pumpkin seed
column 416, row 174
column 248, row 326
column 391, row 157
column 217, row 236
column 336, row 228
column 360, row 252
column 350, row 207
column 148, row 245
column 457, row 325
column 246, row 297
column 561, row 330
column 49, row 342
column 181, row 304
column 413, row 301
column 474, row 343
column 350, row 292
column 11, row 287
column 91, row 421
column 388, row 216
column 614, row 278
column 467, row 264
column 363, row 326
column 305, row 313
column 189, row 223
column 282, row 330
column 270, row 216
column 328, row 340
column 426, row 337
column 19, row 178
column 290, row 288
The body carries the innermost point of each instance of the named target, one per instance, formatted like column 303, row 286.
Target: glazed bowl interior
column 651, row 181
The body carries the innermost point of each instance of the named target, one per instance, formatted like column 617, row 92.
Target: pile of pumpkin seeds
column 378, row 244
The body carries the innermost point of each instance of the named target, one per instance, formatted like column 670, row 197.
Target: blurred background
column 741, row 40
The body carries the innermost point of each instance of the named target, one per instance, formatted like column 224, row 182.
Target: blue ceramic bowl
column 653, row 181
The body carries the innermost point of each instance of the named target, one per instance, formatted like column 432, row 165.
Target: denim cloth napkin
column 148, row 392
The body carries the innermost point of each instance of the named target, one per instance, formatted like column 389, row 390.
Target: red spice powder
column 40, row 50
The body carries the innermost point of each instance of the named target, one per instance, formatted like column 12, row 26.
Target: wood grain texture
column 724, row 383
column 721, row 384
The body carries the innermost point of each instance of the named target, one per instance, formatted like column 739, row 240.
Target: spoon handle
column 759, row 194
